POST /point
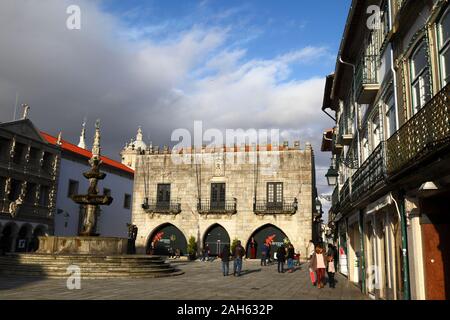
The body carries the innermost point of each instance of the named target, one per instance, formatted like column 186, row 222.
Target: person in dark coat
column 225, row 256
column 290, row 257
column 264, row 254
column 281, row 257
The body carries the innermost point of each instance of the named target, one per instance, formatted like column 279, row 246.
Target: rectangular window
column 444, row 47
column 218, row 195
column 44, row 196
column 2, row 187
column 4, row 148
column 107, row 192
column 376, row 130
column 15, row 190
column 163, row 195
column 274, row 194
column 31, row 193
column 420, row 77
column 48, row 162
column 19, row 153
column 127, row 201
column 73, row 188
column 391, row 116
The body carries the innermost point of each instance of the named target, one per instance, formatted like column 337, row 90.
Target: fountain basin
column 82, row 245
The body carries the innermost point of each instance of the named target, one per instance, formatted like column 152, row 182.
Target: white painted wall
column 113, row 219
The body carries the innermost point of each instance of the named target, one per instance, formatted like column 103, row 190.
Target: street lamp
column 332, row 176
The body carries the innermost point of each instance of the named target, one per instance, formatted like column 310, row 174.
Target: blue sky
column 264, row 28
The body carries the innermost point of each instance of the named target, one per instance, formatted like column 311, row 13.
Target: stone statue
column 26, row 109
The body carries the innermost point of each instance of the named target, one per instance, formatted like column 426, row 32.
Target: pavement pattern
column 200, row 281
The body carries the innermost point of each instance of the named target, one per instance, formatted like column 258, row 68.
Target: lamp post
column 332, row 175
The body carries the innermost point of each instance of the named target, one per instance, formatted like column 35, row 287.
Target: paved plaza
column 201, row 280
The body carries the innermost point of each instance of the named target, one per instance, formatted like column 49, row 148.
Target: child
column 331, row 271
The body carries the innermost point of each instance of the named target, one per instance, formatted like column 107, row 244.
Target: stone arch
column 261, row 234
column 172, row 238
column 8, row 237
column 216, row 237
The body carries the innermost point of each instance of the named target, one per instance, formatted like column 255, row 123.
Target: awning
column 379, row 204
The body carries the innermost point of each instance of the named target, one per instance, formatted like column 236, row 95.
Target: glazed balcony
column 220, row 207
column 366, row 79
column 287, row 206
column 161, row 207
column 422, row 136
column 371, row 173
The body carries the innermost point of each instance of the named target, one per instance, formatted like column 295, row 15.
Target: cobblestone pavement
column 201, row 280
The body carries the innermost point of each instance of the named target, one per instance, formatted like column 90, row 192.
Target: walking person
column 269, row 249
column 225, row 256
column 331, row 270
column 290, row 258
column 238, row 254
column 310, row 253
column 264, row 251
column 281, row 257
column 318, row 266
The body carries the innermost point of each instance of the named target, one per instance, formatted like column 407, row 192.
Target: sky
column 164, row 64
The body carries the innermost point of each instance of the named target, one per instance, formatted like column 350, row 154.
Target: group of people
column 238, row 255
column 286, row 253
column 321, row 262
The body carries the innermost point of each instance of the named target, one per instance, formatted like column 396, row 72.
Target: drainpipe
column 362, row 255
column 405, row 259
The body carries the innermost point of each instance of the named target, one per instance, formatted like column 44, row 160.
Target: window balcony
column 422, row 136
column 345, row 195
column 370, row 174
column 220, row 207
column 366, row 79
column 161, row 207
column 287, row 206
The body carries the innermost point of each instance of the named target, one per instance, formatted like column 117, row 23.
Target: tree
column 192, row 247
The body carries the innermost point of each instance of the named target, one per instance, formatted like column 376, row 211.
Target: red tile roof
column 85, row 153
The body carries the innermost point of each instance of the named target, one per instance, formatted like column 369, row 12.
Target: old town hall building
column 221, row 194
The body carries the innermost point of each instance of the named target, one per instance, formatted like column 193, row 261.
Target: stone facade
column 242, row 175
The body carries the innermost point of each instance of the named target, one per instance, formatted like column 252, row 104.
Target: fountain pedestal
column 82, row 245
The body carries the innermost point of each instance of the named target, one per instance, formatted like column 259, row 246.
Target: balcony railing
column 344, row 194
column 371, row 172
column 366, row 78
column 162, row 207
column 335, row 198
column 422, row 135
column 287, row 206
column 26, row 210
column 222, row 207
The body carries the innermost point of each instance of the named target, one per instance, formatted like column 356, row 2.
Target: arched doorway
column 262, row 234
column 216, row 237
column 39, row 231
column 167, row 238
column 24, row 238
column 7, row 237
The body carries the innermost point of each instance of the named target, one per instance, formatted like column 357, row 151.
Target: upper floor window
column 391, row 116
column 73, row 188
column 420, row 77
column 19, row 152
column 376, row 130
column 127, row 201
column 218, row 191
column 274, row 194
column 163, row 196
column 444, row 47
column 44, row 198
column 4, row 148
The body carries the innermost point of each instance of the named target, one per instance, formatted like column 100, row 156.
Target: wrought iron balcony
column 162, row 207
column 345, row 195
column 427, row 132
column 335, row 198
column 366, row 79
column 370, row 174
column 287, row 206
column 221, row 207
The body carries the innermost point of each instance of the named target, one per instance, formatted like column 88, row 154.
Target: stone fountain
column 97, row 257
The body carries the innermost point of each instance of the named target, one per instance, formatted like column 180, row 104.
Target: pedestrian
column 225, row 256
column 311, row 249
column 269, row 250
column 318, row 265
column 238, row 254
column 253, row 248
column 177, row 253
column 281, row 257
column 310, row 253
column 290, row 257
column 264, row 251
column 331, row 270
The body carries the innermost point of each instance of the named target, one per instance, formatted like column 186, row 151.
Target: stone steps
column 91, row 267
